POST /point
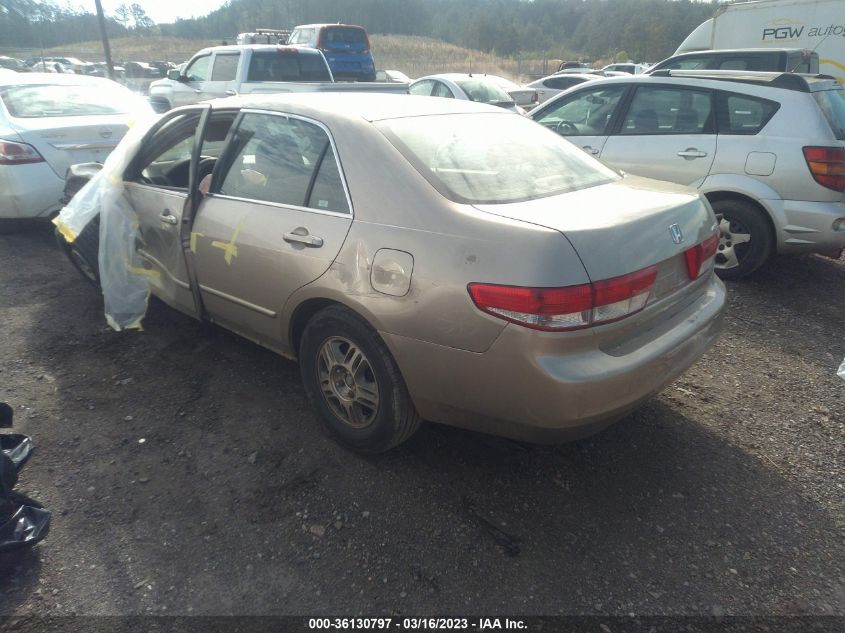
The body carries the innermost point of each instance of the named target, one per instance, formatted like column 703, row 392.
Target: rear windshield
column 287, row 66
column 344, row 35
column 492, row 158
column 483, row 91
column 832, row 104
column 31, row 101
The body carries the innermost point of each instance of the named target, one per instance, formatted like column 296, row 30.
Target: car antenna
column 819, row 43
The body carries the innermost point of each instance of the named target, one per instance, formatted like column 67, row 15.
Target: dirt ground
column 187, row 475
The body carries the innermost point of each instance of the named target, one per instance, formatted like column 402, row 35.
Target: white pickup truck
column 221, row 71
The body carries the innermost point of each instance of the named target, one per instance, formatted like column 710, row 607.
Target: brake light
column 18, row 153
column 535, row 97
column 827, row 164
column 287, row 49
column 700, row 253
column 570, row 307
column 367, row 44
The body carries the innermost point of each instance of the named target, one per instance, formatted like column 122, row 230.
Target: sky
column 163, row 11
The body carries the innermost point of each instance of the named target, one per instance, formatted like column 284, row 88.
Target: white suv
column 766, row 149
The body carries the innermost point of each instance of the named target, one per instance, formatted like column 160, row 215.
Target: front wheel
column 353, row 382
column 745, row 240
column 83, row 252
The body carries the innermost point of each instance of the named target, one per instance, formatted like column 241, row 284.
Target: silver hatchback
column 767, row 149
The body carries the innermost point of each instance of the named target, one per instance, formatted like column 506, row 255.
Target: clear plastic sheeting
column 124, row 281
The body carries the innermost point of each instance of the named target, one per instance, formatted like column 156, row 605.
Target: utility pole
column 101, row 20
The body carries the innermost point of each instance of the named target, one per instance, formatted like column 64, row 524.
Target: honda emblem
column 676, row 233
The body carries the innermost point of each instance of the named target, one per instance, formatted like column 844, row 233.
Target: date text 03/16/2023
column 417, row 624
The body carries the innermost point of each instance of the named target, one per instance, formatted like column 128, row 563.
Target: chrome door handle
column 231, row 92
column 590, row 150
column 692, row 152
column 308, row 240
column 197, row 90
column 168, row 217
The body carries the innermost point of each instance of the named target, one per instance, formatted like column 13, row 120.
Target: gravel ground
column 187, row 475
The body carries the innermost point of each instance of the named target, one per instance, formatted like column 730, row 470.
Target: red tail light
column 367, row 42
column 827, row 164
column 18, row 154
column 535, row 97
column 700, row 253
column 568, row 308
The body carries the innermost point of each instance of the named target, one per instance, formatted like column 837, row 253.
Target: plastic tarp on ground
column 124, row 281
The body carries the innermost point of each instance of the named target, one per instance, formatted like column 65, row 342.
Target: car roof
column 459, row 76
column 369, row 107
column 733, row 51
column 322, row 24
column 304, row 50
column 800, row 82
column 61, row 79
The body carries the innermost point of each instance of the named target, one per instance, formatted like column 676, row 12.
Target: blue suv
column 346, row 47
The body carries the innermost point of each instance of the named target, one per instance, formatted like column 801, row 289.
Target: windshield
column 832, row 104
column 492, row 158
column 483, row 91
column 31, row 101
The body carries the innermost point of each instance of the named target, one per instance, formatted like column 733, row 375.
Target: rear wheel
column 353, row 382
column 83, row 253
column 745, row 240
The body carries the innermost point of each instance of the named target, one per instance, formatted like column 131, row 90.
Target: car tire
column 741, row 220
column 346, row 367
column 83, row 253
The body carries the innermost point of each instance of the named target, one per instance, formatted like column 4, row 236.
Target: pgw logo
column 783, row 30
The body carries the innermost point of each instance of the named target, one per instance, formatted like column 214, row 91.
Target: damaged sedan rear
column 420, row 258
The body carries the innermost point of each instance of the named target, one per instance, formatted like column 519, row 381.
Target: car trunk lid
column 626, row 226
column 64, row 141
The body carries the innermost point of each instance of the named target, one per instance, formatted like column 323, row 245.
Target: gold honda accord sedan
column 421, row 258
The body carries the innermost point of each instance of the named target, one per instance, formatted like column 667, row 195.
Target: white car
column 467, row 86
column 548, row 87
column 766, row 149
column 626, row 67
column 49, row 122
column 525, row 97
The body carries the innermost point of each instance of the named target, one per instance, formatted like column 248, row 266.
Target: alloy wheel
column 347, row 382
column 734, row 239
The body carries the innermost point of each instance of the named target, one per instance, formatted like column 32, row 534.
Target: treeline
column 31, row 24
column 647, row 30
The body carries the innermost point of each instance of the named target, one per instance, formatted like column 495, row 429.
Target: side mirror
column 174, row 74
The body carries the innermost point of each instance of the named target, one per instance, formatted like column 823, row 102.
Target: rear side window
column 832, row 105
column 286, row 161
column 668, row 110
column 688, row 63
column 741, row 114
column 225, row 67
column 286, row 65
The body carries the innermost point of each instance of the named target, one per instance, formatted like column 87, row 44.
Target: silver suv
column 767, row 149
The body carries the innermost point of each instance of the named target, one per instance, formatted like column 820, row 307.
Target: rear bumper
column 29, row 191
column 518, row 389
column 810, row 226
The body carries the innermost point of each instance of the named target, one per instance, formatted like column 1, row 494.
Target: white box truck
column 817, row 25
